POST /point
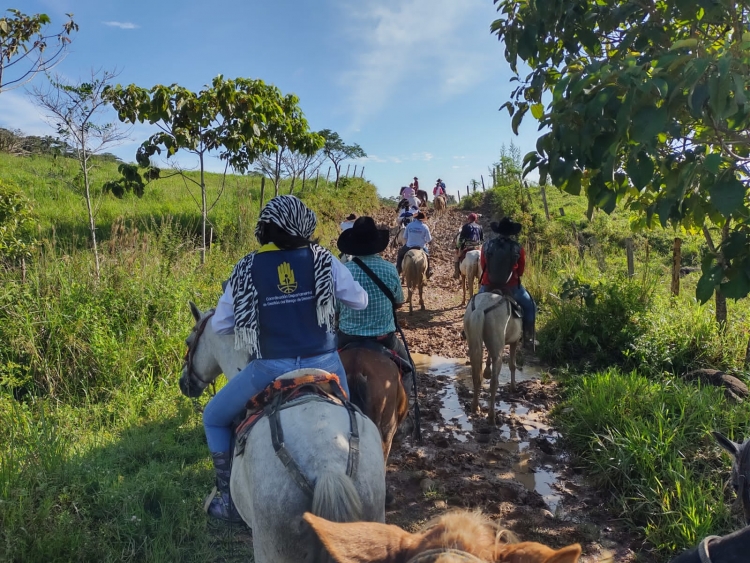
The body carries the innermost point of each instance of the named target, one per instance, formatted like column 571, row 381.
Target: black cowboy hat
column 506, row 227
column 363, row 239
column 351, row 217
column 420, row 215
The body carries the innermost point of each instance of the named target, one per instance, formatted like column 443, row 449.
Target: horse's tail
column 475, row 336
column 336, row 499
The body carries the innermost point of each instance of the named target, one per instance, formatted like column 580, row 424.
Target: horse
column 439, row 204
column 455, row 537
column 423, row 198
column 415, row 274
column 319, row 437
column 489, row 320
column 470, row 270
column 375, row 384
column 740, row 469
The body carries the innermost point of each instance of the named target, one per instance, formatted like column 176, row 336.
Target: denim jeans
column 230, row 401
column 523, row 298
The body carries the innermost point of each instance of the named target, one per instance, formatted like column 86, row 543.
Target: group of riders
column 292, row 277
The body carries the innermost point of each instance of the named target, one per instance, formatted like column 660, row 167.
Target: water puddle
column 526, row 424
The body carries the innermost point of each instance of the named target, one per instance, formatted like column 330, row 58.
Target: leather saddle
column 404, row 367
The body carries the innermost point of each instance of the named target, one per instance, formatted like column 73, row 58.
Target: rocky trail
column 516, row 472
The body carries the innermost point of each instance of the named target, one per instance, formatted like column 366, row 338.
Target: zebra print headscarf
column 296, row 218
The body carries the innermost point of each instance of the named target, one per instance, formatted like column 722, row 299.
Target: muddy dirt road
column 516, row 472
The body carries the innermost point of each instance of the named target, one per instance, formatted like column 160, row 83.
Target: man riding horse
column 376, row 322
column 470, row 238
column 503, row 263
column 288, row 277
column 417, row 236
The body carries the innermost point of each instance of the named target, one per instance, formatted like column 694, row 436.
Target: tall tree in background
column 239, row 120
column 25, row 50
column 650, row 99
column 508, row 169
column 76, row 111
column 337, row 151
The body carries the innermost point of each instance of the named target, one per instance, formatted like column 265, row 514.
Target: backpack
column 502, row 254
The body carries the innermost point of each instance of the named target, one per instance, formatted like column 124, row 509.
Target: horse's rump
column 415, row 267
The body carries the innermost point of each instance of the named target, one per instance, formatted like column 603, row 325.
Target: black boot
column 457, row 270
column 219, row 503
column 528, row 338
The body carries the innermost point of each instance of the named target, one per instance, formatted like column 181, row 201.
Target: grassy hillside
column 101, row 457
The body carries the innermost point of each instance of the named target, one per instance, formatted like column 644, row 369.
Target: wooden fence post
column 328, row 173
column 347, row 171
column 467, row 190
column 629, row 251
column 676, row 263
column 317, row 176
column 482, row 177
column 354, row 174
column 459, row 195
column 262, row 193
column 362, row 172
column 544, row 201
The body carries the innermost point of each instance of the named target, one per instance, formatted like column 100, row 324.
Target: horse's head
column 200, row 367
column 455, row 537
column 740, row 469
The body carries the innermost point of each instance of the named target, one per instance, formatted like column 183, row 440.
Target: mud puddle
column 523, row 423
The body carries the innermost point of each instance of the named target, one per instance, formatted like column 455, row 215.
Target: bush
column 18, row 225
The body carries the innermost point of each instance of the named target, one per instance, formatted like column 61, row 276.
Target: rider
column 288, row 277
column 410, row 195
column 416, row 184
column 417, row 235
column 470, row 237
column 503, row 263
column 366, row 241
column 406, row 215
column 439, row 188
column 349, row 222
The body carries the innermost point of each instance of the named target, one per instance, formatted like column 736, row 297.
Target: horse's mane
column 472, row 532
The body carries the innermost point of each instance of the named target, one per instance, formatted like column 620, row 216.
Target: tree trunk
column 544, row 201
column 291, row 188
column 676, row 263
column 721, row 301
column 204, row 210
column 338, row 175
column 631, row 260
column 262, row 194
column 89, row 208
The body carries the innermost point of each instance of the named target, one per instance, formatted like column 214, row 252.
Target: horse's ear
column 568, row 554
column 196, row 311
column 361, row 542
column 732, row 447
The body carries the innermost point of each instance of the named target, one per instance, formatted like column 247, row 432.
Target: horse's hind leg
column 409, row 296
column 463, row 286
column 512, row 365
column 421, row 299
column 497, row 363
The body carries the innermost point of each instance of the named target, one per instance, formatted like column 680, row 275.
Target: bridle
column 433, row 554
column 190, row 353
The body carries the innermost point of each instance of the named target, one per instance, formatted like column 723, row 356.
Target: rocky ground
column 516, row 472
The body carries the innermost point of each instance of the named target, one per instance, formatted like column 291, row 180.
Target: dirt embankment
column 516, row 472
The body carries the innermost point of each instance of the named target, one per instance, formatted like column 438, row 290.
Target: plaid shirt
column 377, row 318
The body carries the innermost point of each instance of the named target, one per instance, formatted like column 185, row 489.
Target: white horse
column 470, row 271
column 316, row 435
column 489, row 321
column 414, row 268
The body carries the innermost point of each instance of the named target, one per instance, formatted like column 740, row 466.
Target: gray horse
column 740, row 469
column 316, row 436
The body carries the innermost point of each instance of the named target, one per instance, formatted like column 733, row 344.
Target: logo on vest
column 287, row 284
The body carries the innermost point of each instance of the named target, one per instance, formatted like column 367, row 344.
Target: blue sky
column 417, row 83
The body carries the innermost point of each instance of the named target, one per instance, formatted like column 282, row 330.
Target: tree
column 239, row 119
column 509, row 169
column 23, row 47
column 75, row 111
column 648, row 108
column 299, row 164
column 337, row 151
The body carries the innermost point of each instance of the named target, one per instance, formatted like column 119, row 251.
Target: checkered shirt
column 377, row 318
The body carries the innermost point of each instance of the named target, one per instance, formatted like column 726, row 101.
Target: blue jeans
column 230, row 401
column 523, row 298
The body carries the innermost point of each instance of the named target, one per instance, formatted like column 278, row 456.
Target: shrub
column 18, row 225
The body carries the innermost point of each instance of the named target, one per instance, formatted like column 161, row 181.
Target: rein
column 190, row 353
column 433, row 554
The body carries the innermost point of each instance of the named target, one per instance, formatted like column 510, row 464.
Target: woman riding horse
column 288, row 277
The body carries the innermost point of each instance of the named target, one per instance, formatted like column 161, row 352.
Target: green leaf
column 737, row 286
column 705, row 288
column 648, row 123
column 727, row 194
column 537, row 110
column 640, row 170
column 573, row 184
column 712, row 162
column 684, row 44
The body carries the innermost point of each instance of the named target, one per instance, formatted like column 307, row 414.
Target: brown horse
column 455, row 537
column 376, row 380
column 423, row 198
column 415, row 275
column 439, row 204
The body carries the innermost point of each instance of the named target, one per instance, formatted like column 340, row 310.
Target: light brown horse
column 415, row 275
column 439, row 204
column 373, row 377
column 454, row 537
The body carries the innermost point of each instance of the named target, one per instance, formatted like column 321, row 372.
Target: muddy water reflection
column 525, row 424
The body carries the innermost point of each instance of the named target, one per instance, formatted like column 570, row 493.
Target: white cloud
column 19, row 112
column 401, row 38
column 459, row 157
column 122, row 25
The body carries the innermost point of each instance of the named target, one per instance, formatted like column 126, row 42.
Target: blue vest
column 286, row 305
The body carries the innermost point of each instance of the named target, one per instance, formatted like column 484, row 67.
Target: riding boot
column 457, row 269
column 219, row 503
column 528, row 337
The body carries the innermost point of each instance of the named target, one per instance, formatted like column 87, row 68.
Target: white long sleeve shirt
column 345, row 289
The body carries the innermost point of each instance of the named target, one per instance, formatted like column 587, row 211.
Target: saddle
column 468, row 246
column 515, row 309
column 404, row 367
column 285, row 389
